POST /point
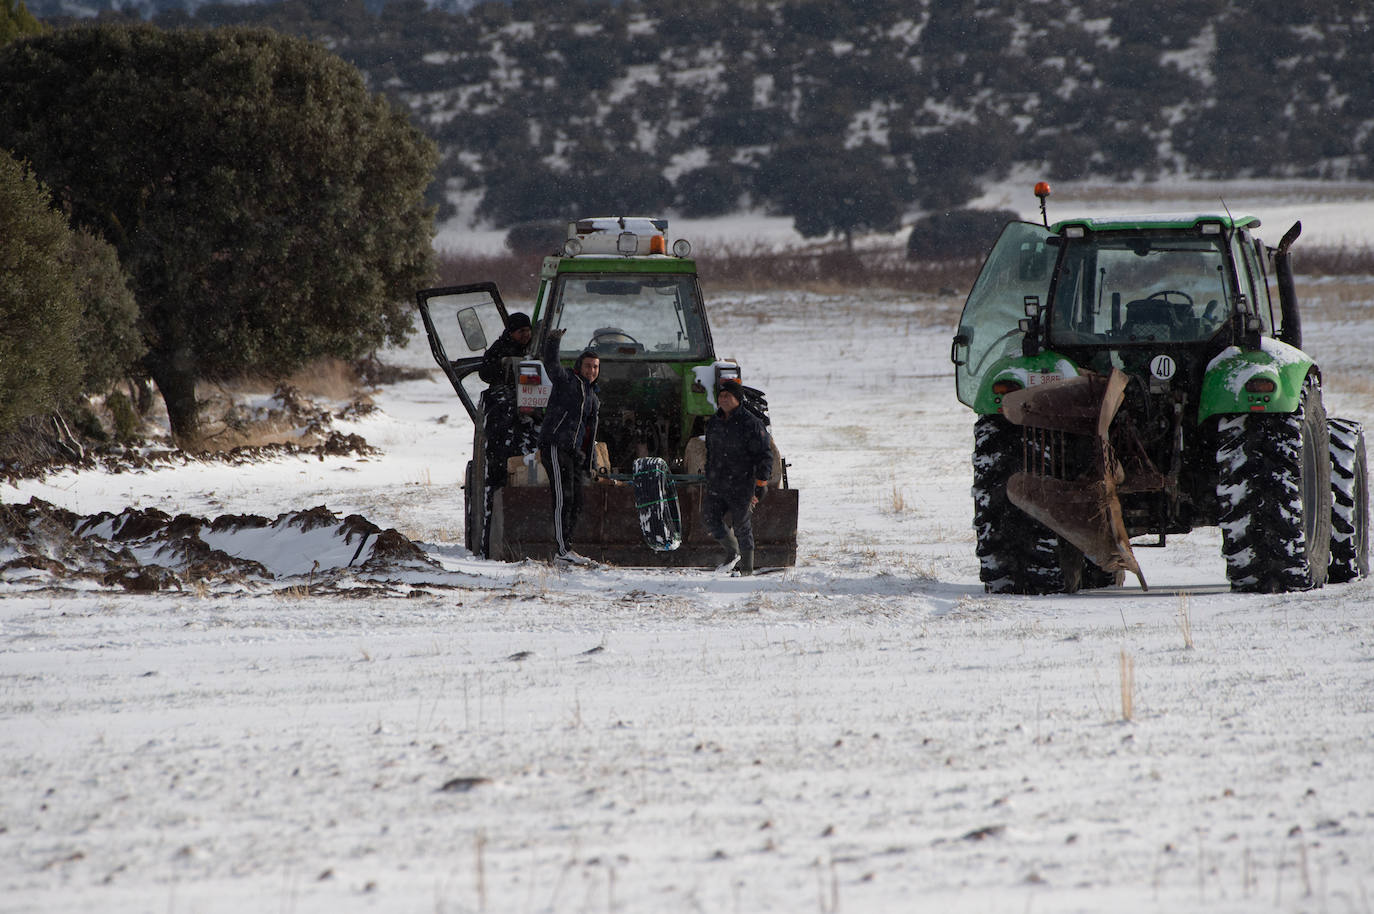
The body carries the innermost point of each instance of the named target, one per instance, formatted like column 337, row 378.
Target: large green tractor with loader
column 618, row 290
column 1142, row 376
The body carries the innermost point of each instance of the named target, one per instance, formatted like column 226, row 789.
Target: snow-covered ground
column 868, row 732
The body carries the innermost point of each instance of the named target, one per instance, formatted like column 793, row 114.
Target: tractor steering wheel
column 613, row 338
column 1163, row 295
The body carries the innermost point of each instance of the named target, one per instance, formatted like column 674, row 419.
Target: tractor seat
column 1153, row 318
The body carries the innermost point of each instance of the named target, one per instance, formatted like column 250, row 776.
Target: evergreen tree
column 832, row 190
column 266, row 207
column 40, row 311
column 16, row 20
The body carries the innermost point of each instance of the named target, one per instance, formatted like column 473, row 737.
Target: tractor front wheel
column 1274, row 497
column 1016, row 554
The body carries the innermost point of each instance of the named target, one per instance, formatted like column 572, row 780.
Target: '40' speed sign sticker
column 1162, row 367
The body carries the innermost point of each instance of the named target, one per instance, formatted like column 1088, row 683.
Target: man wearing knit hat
column 739, row 461
column 515, row 341
column 507, row 433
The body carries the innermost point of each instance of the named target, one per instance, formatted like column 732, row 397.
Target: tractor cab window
column 1017, row 268
column 1128, row 287
column 1253, row 281
column 628, row 316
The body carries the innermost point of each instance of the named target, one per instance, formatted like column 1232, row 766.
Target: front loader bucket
column 608, row 528
column 1084, row 509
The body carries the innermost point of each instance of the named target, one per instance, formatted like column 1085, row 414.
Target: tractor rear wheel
column 1274, row 497
column 1349, row 502
column 474, row 492
column 1016, row 554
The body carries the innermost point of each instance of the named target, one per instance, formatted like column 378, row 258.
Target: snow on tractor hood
column 1239, row 370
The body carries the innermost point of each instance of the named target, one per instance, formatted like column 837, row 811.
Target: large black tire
column 1274, row 497
column 473, row 489
column 1349, row 503
column 1016, row 554
column 477, row 497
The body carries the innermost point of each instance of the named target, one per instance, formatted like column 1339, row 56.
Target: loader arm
column 1075, row 498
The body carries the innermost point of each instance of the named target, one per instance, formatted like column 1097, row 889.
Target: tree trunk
column 176, row 381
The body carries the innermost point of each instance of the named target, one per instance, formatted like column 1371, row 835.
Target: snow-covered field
column 868, row 732
column 1334, row 214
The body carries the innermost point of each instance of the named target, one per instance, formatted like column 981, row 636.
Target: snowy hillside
column 868, row 732
column 45, row 9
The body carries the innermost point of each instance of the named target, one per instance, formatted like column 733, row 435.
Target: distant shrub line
column 756, row 267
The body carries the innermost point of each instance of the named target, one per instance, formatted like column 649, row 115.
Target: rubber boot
column 731, row 547
column 746, row 563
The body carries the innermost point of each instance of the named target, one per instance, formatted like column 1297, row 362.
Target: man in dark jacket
column 514, row 341
column 567, row 439
column 739, row 461
column 507, row 433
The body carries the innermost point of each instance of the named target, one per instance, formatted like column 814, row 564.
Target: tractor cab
column 617, row 292
column 1112, row 293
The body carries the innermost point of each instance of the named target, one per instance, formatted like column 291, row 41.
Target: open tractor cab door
column 1141, row 376
column 616, row 290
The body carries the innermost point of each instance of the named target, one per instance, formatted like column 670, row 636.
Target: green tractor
column 1141, row 376
column 617, row 290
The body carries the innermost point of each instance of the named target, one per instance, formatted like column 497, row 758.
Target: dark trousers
column 506, row 434
column 565, row 485
column 716, row 505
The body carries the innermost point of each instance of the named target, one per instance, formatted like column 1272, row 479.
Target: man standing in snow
column 738, row 464
column 567, row 439
column 507, row 433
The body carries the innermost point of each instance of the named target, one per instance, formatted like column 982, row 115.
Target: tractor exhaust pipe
column 1291, row 331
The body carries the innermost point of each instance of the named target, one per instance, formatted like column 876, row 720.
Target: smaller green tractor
column 618, row 290
column 1140, row 376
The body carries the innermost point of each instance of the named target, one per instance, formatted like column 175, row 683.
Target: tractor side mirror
column 958, row 350
column 471, row 326
column 1030, row 326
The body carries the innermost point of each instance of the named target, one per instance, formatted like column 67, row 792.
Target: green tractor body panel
column 1020, row 372
column 1267, row 380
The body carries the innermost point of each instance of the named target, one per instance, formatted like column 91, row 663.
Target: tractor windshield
column 1118, row 288
column 1017, row 268
column 628, row 316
